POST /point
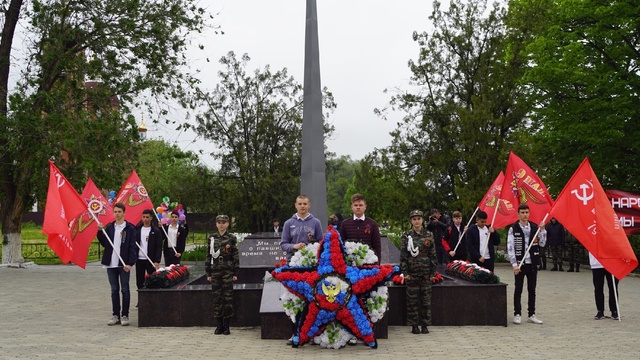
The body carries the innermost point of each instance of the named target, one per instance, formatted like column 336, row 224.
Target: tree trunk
column 11, row 218
column 12, row 248
column 11, row 236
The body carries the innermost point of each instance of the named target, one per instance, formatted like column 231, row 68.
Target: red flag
column 63, row 204
column 522, row 186
column 83, row 228
column 584, row 209
column 134, row 197
column 506, row 213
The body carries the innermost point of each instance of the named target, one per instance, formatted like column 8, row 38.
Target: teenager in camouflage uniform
column 418, row 263
column 222, row 269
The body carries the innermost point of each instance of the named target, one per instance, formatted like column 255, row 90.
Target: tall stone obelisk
column 313, row 177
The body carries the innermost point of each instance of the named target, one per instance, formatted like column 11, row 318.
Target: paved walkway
column 60, row 312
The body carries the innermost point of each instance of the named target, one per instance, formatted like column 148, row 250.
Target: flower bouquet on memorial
column 472, row 272
column 399, row 279
column 166, row 277
column 437, row 278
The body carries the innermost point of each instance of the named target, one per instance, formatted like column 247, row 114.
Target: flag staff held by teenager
column 587, row 213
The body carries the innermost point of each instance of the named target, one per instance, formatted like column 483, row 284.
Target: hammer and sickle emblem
column 59, row 180
column 584, row 197
column 331, row 291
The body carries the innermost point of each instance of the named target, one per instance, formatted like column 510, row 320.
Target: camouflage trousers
column 418, row 301
column 574, row 252
column 222, row 286
column 556, row 254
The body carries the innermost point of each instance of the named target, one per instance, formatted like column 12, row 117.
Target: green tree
column 585, row 81
column 127, row 47
column 468, row 110
column 255, row 123
column 167, row 171
column 340, row 173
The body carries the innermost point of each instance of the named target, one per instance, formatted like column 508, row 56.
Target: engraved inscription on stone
column 263, row 252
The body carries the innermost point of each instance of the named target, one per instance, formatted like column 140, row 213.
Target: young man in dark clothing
column 438, row 224
column 521, row 234
column 123, row 235
column 149, row 240
column 360, row 228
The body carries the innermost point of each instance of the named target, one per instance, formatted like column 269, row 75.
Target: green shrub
column 198, row 253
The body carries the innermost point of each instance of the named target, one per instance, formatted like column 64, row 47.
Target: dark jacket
column 365, row 232
column 154, row 250
column 438, row 228
column 451, row 236
column 473, row 243
column 555, row 234
column 181, row 239
column 128, row 248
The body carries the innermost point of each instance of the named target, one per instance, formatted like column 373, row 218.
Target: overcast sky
column 364, row 49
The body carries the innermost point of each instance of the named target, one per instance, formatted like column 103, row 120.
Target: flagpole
column 165, row 231
column 531, row 242
column 108, row 238
column 615, row 294
column 145, row 255
column 493, row 220
column 465, row 229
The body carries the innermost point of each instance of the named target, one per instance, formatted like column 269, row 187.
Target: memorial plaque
column 260, row 250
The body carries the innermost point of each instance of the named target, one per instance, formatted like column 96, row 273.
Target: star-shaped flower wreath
column 334, row 290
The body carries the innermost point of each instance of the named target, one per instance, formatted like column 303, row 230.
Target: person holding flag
column 120, row 254
column 599, row 273
column 586, row 212
column 174, row 239
column 453, row 235
column 521, row 235
column 149, row 243
column 481, row 242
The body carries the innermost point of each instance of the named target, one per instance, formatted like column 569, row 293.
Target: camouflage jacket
column 424, row 263
column 228, row 259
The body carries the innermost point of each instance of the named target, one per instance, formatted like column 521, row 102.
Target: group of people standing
column 140, row 245
column 423, row 246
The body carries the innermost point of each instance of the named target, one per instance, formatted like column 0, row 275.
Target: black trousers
column 142, row 267
column 531, row 273
column 488, row 264
column 598, row 289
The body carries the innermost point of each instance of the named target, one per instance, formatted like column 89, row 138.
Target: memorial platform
column 455, row 302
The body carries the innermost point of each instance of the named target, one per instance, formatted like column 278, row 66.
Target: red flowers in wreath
column 166, row 277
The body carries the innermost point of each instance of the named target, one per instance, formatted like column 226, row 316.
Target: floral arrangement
column 166, row 277
column 472, row 272
column 399, row 279
column 339, row 288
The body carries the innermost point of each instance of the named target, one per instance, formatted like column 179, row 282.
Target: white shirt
column 144, row 242
column 484, row 240
column 117, row 241
column 358, row 218
column 172, row 235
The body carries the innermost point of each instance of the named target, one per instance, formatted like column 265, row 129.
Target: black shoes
column 425, row 330
column 220, row 328
column 415, row 330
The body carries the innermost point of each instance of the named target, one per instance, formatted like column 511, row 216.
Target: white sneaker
column 353, row 341
column 533, row 319
column 124, row 321
column 517, row 320
column 114, row 320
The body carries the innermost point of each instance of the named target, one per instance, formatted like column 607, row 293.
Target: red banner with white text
column 626, row 204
